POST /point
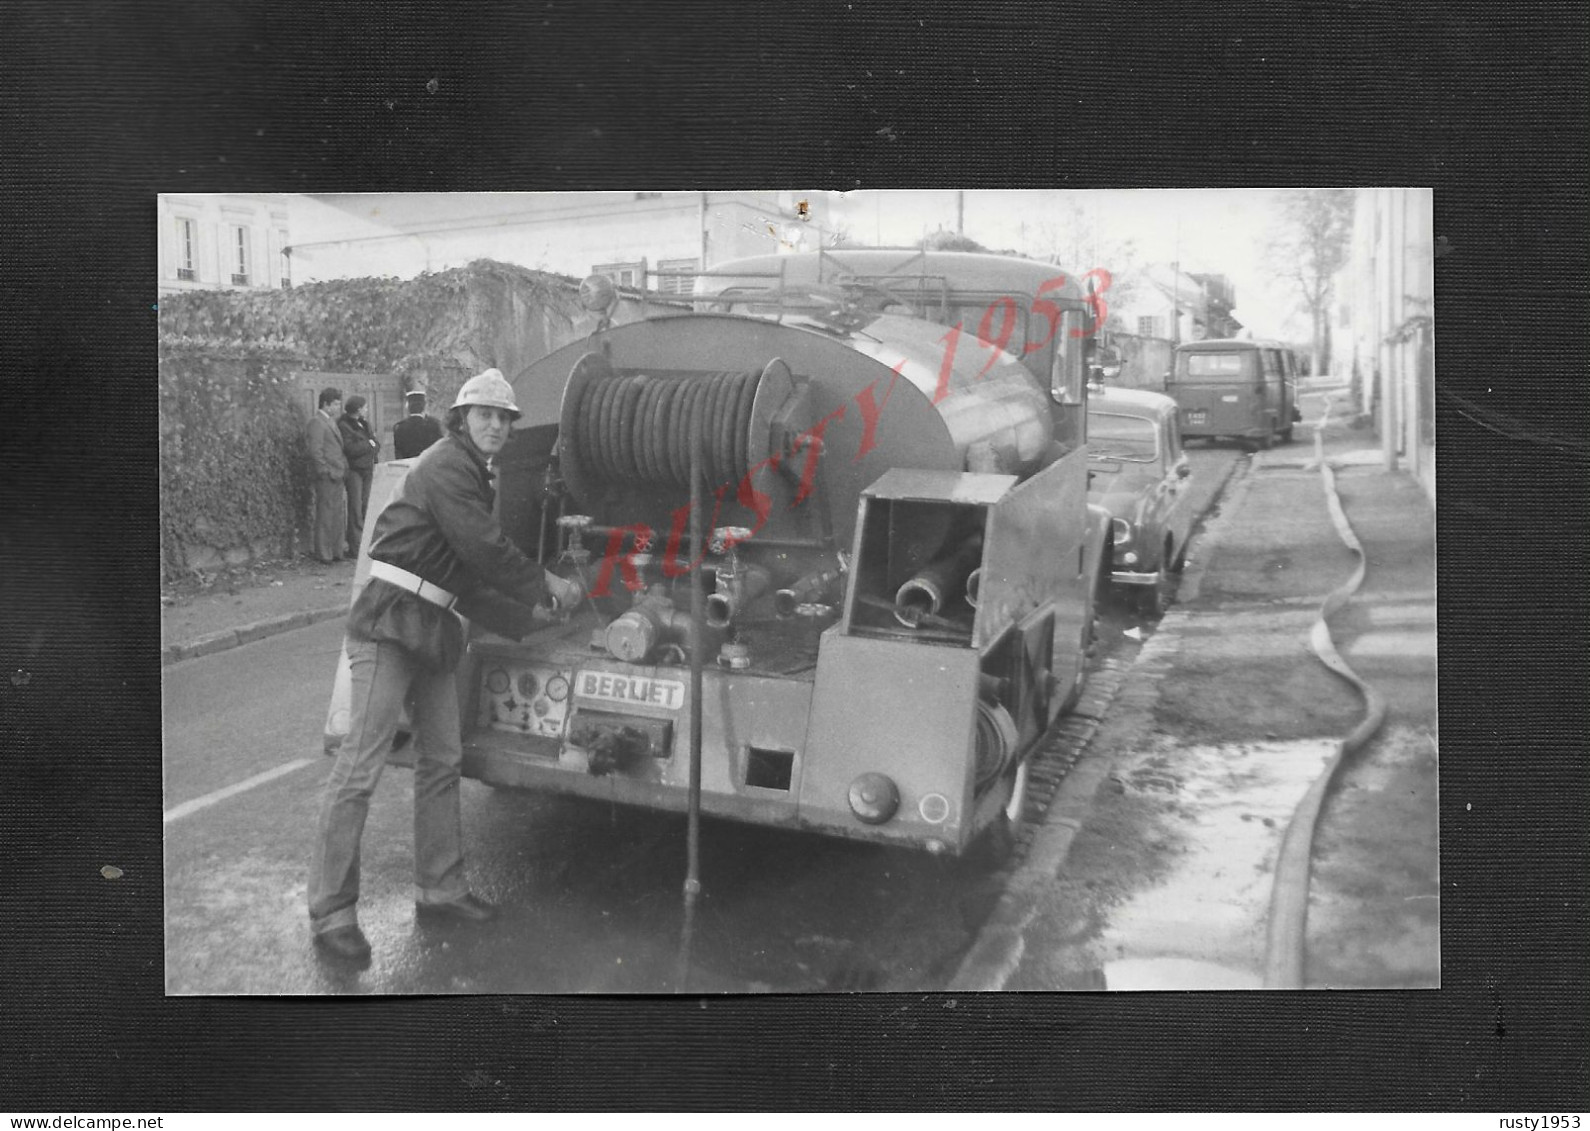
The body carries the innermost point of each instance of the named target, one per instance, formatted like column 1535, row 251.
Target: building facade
column 211, row 241
column 1383, row 324
column 1166, row 302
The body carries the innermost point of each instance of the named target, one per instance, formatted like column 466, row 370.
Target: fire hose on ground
column 1288, row 920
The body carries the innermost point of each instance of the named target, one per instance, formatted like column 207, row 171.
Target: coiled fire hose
column 1284, row 958
column 644, row 428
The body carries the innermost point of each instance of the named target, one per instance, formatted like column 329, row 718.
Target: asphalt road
column 591, row 893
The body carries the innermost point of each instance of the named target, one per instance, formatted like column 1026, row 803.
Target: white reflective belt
column 415, row 584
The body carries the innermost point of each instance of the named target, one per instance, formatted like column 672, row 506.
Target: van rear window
column 1215, row 366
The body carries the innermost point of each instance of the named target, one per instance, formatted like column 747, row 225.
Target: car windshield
column 1111, row 436
column 1210, row 366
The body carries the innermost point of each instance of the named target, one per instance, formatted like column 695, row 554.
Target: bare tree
column 1311, row 247
column 1068, row 234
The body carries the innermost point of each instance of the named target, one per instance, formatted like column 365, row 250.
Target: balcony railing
column 187, row 274
column 239, row 280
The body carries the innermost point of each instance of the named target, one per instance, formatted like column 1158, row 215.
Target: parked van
column 1229, row 388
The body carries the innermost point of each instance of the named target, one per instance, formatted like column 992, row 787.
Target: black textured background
column 104, row 104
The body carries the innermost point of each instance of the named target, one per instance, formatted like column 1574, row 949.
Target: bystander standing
column 329, row 466
column 360, row 446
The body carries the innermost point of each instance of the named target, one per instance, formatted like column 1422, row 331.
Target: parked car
column 1138, row 472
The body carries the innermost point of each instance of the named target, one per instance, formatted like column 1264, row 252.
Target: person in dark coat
column 416, row 431
column 360, row 446
column 329, row 466
column 437, row 553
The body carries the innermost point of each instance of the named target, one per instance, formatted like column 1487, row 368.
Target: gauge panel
column 525, row 699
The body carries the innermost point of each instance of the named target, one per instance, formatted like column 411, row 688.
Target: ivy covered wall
column 234, row 471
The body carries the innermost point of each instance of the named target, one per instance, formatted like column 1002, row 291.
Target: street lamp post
column 1175, row 306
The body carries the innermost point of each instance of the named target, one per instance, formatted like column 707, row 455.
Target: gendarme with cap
column 490, row 390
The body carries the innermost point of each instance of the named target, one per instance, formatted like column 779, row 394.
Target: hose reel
column 637, row 428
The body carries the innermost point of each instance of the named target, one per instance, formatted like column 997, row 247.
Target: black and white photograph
column 783, row 592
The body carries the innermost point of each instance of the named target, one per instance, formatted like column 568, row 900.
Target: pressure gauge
column 528, row 685
column 497, row 681
column 557, row 689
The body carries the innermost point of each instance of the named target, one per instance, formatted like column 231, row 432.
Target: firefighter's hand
column 563, row 593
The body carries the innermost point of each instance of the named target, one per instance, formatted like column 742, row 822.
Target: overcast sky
column 1213, row 230
column 1221, row 231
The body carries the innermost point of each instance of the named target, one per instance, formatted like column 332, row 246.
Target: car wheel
column 1286, row 434
column 1153, row 600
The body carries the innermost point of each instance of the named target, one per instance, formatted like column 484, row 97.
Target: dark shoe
column 467, row 908
column 345, row 944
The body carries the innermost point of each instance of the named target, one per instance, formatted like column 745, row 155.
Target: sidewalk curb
column 245, row 634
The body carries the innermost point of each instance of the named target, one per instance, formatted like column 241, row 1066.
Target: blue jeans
column 383, row 675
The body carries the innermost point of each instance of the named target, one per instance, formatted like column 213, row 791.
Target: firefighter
column 436, row 547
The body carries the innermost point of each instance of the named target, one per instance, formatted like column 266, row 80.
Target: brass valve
column 571, row 534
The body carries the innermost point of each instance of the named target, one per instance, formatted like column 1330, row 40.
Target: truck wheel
column 994, row 847
column 1102, row 591
column 1018, row 794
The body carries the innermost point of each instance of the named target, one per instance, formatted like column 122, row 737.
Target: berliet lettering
column 630, row 689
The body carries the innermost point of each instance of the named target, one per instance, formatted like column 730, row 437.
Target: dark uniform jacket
column 413, row 434
column 440, row 527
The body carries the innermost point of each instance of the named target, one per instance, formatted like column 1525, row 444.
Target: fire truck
column 874, row 463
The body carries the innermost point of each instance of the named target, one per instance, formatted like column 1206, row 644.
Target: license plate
column 1197, row 416
column 1229, row 398
column 630, row 690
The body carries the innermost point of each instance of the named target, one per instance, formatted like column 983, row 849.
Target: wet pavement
column 1224, row 719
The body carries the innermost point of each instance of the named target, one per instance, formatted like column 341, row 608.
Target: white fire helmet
column 490, row 390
